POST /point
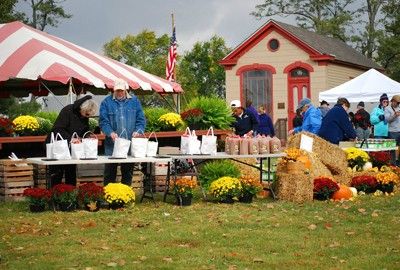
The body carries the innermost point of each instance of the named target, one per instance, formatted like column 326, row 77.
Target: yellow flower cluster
column 225, row 186
column 353, row 153
column 118, row 193
column 293, row 153
column 25, row 122
column 185, row 185
column 387, row 178
column 171, row 119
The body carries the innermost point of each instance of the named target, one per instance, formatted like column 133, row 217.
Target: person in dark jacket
column 265, row 126
column 298, row 119
column 72, row 118
column 246, row 123
column 336, row 125
column 361, row 122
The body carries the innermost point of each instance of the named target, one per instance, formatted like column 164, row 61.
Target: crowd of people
column 338, row 124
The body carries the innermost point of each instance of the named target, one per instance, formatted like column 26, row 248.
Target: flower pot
column 246, row 197
column 35, row 208
column 184, row 200
column 228, row 199
column 194, row 126
column 66, row 206
column 116, row 205
column 320, row 197
column 388, row 188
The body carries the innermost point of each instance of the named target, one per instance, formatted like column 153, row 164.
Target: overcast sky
column 96, row 22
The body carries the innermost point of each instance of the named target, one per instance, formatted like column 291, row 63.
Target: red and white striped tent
column 32, row 60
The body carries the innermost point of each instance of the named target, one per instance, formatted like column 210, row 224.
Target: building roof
column 318, row 46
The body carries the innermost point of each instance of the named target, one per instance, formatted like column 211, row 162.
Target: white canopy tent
column 367, row 87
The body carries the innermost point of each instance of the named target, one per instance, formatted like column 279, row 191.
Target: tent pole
column 62, row 105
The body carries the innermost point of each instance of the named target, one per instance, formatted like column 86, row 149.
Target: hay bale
column 331, row 155
column 294, row 188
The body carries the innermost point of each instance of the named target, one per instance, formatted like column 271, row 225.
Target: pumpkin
column 305, row 160
column 367, row 166
column 344, row 193
column 354, row 191
column 263, row 194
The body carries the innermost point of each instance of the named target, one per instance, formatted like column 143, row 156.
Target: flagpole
column 177, row 100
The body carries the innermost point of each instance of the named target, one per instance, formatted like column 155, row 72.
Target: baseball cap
column 304, row 102
column 236, row 103
column 120, row 84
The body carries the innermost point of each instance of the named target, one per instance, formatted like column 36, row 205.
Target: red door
column 298, row 88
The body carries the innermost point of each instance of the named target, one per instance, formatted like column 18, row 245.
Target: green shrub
column 217, row 169
column 51, row 116
column 23, row 108
column 152, row 115
column 216, row 113
column 44, row 126
column 93, row 124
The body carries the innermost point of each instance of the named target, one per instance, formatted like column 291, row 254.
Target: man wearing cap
column 311, row 117
column 120, row 111
column 324, row 108
column 362, row 122
column 381, row 127
column 336, row 125
column 392, row 114
column 246, row 123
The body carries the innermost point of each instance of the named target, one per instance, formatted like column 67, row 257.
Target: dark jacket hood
column 77, row 104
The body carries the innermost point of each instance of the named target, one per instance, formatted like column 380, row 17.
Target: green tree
column 8, row 13
column 389, row 50
column 326, row 17
column 145, row 51
column 199, row 71
column 46, row 12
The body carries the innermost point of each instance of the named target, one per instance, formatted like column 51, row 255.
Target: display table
column 148, row 177
column 198, row 159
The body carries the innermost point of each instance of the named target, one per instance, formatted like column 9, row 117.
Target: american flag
column 171, row 60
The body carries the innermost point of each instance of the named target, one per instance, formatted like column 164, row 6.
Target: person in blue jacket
column 311, row 117
column 265, row 126
column 381, row 127
column 120, row 111
column 336, row 125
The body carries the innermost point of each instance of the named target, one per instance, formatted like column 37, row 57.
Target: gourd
column 344, row 192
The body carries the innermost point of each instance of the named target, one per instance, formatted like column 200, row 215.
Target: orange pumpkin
column 344, row 192
column 306, row 161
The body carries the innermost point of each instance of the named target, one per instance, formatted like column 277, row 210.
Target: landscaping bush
column 216, row 113
column 217, row 169
column 152, row 115
column 44, row 126
column 51, row 116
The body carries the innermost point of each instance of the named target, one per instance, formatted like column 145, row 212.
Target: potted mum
column 364, row 183
column 386, row 181
column 90, row 196
column 25, row 125
column 192, row 118
column 224, row 189
column 356, row 158
column 170, row 121
column 64, row 197
column 38, row 198
column 250, row 186
column 183, row 188
column 380, row 159
column 118, row 195
column 324, row 187
column 6, row 126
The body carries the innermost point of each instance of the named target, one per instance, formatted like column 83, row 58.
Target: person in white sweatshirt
column 392, row 116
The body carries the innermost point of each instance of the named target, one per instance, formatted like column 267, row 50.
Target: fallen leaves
column 312, row 227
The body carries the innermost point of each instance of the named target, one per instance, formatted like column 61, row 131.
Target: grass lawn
column 360, row 234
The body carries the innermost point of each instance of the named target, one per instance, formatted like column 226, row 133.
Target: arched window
column 257, row 87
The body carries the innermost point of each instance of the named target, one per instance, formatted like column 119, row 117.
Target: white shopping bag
column 209, row 143
column 60, row 148
column 152, row 146
column 77, row 151
column 139, row 145
column 121, row 146
column 49, row 147
column 193, row 144
column 185, row 141
column 90, row 145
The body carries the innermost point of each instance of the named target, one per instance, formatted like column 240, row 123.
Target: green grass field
column 360, row 234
